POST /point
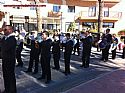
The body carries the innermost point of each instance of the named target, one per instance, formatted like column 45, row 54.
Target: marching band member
column 87, row 44
column 34, row 54
column 106, row 44
column 19, row 49
column 67, row 54
column 45, row 47
column 56, row 51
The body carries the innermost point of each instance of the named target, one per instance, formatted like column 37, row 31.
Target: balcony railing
column 89, row 15
column 54, row 14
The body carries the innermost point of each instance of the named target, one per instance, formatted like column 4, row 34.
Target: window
column 108, row 25
column 106, row 12
column 32, row 7
column 17, row 7
column 56, row 8
column 71, row 9
column 88, row 24
column 92, row 11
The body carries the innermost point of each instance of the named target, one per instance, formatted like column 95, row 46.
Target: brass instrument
column 36, row 44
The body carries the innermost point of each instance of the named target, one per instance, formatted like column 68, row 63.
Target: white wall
column 120, row 24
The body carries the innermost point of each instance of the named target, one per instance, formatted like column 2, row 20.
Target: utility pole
column 39, row 19
column 100, row 16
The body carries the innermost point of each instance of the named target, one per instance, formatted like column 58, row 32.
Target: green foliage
column 71, row 27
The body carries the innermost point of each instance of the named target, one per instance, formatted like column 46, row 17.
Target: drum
column 102, row 45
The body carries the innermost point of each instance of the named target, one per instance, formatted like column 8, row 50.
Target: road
column 28, row 83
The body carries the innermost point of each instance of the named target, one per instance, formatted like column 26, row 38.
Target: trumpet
column 36, row 44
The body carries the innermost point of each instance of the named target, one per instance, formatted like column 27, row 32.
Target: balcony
column 54, row 14
column 86, row 16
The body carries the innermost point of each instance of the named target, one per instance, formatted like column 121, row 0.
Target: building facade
column 60, row 14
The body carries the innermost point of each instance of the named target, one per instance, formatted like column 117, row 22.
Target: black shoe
column 82, row 66
column 41, row 78
column 102, row 59
column 65, row 73
column 48, row 81
column 86, row 66
column 105, row 60
column 19, row 65
column 55, row 68
column 27, row 71
column 35, row 72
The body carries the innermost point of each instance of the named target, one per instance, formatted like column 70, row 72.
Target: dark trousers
column 114, row 54
column 56, row 57
column 123, row 54
column 33, row 57
column 8, row 68
column 18, row 56
column 18, row 53
column 86, row 58
column 76, row 47
column 105, row 53
column 67, row 57
column 45, row 64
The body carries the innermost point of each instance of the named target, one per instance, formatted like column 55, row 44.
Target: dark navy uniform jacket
column 8, row 47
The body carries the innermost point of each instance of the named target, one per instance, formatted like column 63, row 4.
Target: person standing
column 8, row 51
column 87, row 45
column 114, row 46
column 108, row 40
column 67, row 54
column 34, row 54
column 56, row 51
column 76, row 46
column 19, row 49
column 45, row 57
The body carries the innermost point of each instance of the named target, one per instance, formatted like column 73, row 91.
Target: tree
column 100, row 16
column 71, row 26
column 39, row 21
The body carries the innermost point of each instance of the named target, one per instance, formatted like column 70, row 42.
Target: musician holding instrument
column 34, row 54
column 106, row 43
column 114, row 46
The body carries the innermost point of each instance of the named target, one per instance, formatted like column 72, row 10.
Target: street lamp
column 27, row 21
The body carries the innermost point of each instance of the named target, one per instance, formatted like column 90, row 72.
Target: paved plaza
column 80, row 78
